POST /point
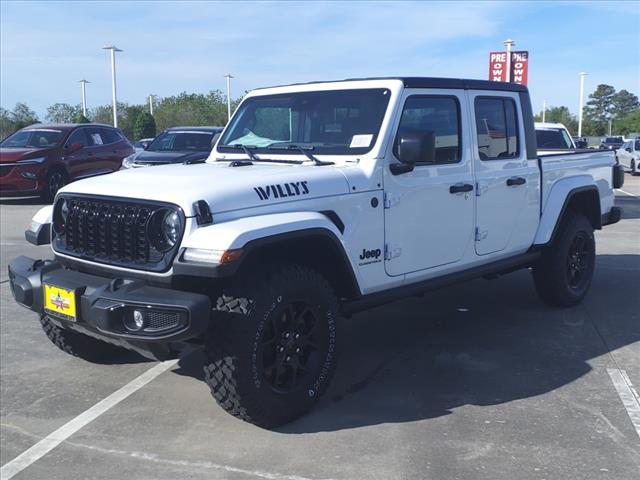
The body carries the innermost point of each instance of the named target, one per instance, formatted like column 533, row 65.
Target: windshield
column 553, row 138
column 33, row 139
column 182, row 141
column 613, row 140
column 338, row 122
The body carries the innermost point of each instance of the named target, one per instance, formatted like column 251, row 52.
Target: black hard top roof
column 433, row 82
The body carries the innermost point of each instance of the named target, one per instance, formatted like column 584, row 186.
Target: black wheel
column 271, row 349
column 563, row 275
column 56, row 179
column 79, row 345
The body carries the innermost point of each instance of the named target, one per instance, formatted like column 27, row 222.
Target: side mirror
column 145, row 144
column 414, row 147
column 628, row 150
column 74, row 147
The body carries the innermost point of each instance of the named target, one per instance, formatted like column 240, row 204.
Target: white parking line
column 51, row 441
column 627, row 193
column 627, row 394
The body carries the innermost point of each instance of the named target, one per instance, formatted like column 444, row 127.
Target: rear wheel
column 79, row 345
column 271, row 349
column 56, row 179
column 563, row 275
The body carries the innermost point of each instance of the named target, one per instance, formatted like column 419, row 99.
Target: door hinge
column 390, row 200
column 392, row 251
column 481, row 188
column 481, row 234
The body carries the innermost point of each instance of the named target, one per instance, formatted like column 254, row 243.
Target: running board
column 371, row 300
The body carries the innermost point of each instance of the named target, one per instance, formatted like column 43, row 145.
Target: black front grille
column 110, row 231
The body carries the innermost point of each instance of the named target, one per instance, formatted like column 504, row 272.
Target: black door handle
column 516, row 181
column 460, row 188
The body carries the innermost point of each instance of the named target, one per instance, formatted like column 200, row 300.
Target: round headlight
column 171, row 227
column 60, row 215
column 164, row 229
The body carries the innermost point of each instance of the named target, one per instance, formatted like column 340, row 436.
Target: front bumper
column 14, row 184
column 105, row 306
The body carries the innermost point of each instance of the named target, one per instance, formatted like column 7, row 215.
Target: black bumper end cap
column 40, row 237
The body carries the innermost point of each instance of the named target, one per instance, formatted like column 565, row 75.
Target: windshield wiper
column 193, row 161
column 254, row 158
column 305, row 152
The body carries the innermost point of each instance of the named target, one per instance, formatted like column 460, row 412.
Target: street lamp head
column 84, row 81
column 509, row 42
column 583, row 74
column 112, row 47
column 228, row 75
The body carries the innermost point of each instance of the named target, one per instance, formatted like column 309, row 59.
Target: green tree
column 600, row 105
column 63, row 113
column 22, row 116
column 560, row 115
column 80, row 118
column 623, row 103
column 145, row 126
column 7, row 126
column 629, row 124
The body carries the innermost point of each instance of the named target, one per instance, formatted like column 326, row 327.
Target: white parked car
column 553, row 138
column 319, row 200
column 629, row 155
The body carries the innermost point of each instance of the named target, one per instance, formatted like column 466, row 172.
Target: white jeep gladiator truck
column 319, row 200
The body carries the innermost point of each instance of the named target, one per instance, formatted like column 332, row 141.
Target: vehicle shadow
column 630, row 206
column 479, row 343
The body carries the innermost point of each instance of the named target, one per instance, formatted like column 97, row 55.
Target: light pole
column 151, row 97
column 582, row 75
column 509, row 43
column 113, row 49
column 544, row 110
column 83, row 82
column 228, row 76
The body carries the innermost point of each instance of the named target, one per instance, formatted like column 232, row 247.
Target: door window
column 77, row 137
column 96, row 137
column 109, row 135
column 438, row 116
column 497, row 128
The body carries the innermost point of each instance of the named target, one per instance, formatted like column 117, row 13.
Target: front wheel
column 564, row 272
column 56, row 179
column 271, row 349
column 634, row 170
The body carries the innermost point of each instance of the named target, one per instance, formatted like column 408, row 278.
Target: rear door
column 507, row 202
column 116, row 148
column 100, row 152
column 429, row 211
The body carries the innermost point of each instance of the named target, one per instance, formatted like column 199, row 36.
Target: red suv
column 40, row 159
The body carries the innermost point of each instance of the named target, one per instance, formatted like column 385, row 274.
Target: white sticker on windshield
column 360, row 141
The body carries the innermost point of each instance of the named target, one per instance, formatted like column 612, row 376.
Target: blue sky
column 171, row 46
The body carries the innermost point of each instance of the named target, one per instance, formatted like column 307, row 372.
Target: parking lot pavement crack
column 198, row 464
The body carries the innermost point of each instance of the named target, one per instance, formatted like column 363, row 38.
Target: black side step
column 380, row 298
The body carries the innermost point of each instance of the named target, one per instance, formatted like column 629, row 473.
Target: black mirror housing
column 416, row 147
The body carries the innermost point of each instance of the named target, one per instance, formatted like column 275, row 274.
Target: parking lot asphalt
column 477, row 381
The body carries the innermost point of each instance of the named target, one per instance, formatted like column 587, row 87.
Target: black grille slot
column 113, row 232
column 158, row 320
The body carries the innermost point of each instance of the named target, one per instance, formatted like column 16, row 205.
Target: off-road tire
column 555, row 275
column 247, row 314
column 79, row 345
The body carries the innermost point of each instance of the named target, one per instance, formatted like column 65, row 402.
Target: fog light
column 134, row 322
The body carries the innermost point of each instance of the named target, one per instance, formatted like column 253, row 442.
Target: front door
column 507, row 210
column 429, row 211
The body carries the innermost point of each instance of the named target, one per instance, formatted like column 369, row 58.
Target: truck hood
column 221, row 185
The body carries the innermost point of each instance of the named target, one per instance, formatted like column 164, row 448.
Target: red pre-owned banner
column 498, row 66
column 519, row 67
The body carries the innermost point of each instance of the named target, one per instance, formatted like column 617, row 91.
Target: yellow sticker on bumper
column 60, row 302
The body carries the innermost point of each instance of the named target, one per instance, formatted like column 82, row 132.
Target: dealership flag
column 519, row 67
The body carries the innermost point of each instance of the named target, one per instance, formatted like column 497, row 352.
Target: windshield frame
column 62, row 133
column 292, row 147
